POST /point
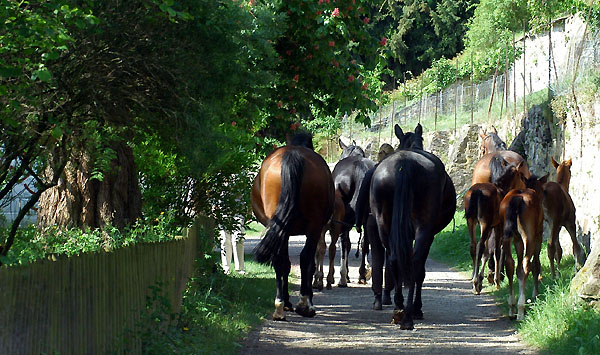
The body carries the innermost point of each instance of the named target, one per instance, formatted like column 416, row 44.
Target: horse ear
column 342, row 145
column 494, row 130
column 554, row 163
column 353, row 142
column 544, row 178
column 569, row 162
column 482, row 133
column 419, row 130
column 398, row 131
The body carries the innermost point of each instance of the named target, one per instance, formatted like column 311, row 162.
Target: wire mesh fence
column 551, row 60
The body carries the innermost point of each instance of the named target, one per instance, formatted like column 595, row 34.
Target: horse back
column 482, row 171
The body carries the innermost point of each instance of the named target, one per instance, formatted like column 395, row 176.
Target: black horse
column 412, row 198
column 347, row 177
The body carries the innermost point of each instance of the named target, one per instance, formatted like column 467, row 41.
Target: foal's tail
column 475, row 203
column 276, row 237
column 402, row 231
column 513, row 210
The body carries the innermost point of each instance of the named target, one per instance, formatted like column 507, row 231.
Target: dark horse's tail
column 362, row 200
column 276, row 237
column 402, row 231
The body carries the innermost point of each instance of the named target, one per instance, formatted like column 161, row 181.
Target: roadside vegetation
column 556, row 322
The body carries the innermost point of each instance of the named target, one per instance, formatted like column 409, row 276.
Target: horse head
column 303, row 139
column 563, row 172
column 351, row 150
column 384, row 151
column 505, row 175
column 490, row 142
column 409, row 140
column 536, row 183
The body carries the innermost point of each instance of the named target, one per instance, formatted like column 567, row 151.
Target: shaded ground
column 456, row 321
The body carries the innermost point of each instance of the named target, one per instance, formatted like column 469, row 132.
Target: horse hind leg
column 510, row 269
column 305, row 307
column 320, row 255
column 554, row 249
column 364, row 271
column 344, row 272
column 332, row 251
column 282, row 268
column 578, row 251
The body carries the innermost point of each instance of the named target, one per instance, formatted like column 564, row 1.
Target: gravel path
column 456, row 321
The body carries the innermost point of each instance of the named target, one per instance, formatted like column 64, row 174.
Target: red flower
column 383, row 41
column 309, row 56
column 350, row 78
column 233, row 123
column 279, row 104
column 364, row 87
column 331, row 43
column 250, row 2
column 366, row 20
column 335, row 63
column 293, row 111
column 336, row 12
column 293, row 127
column 296, row 77
column 288, row 52
column 320, row 2
column 319, row 12
column 316, row 47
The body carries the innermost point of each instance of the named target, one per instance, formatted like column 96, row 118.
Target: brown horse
column 559, row 210
column 292, row 194
column 523, row 216
column 490, row 142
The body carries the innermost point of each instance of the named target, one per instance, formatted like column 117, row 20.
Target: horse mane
column 501, row 172
column 497, row 142
column 303, row 139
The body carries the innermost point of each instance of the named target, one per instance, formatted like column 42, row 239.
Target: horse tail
column 276, row 236
column 473, row 204
column 513, row 211
column 402, row 231
column 362, row 200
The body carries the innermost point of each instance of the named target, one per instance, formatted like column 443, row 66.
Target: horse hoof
column 377, row 305
column 418, row 315
column 328, row 287
column 407, row 326
column 398, row 316
column 387, row 299
column 343, row 285
column 362, row 281
column 288, row 306
column 279, row 318
column 490, row 278
column 305, row 311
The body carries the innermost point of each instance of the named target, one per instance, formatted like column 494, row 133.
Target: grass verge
column 218, row 312
column 557, row 322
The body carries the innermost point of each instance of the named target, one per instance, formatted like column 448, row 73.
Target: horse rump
column 292, row 170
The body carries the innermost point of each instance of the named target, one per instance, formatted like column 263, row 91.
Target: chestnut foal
column 523, row 217
column 559, row 210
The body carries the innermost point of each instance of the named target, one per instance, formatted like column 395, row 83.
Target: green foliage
column 559, row 323
column 33, row 244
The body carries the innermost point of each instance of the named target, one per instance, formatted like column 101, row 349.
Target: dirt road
column 456, row 321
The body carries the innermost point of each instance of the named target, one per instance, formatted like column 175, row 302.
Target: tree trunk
column 80, row 201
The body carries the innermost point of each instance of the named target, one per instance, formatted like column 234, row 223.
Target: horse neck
column 563, row 177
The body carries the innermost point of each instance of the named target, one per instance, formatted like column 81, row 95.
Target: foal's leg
column 510, row 269
column 522, row 272
column 307, row 268
column 344, row 278
column 480, row 250
column 364, row 271
column 320, row 255
column 332, row 250
column 472, row 225
column 578, row 250
column 554, row 249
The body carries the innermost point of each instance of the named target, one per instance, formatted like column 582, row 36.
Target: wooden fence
column 84, row 304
